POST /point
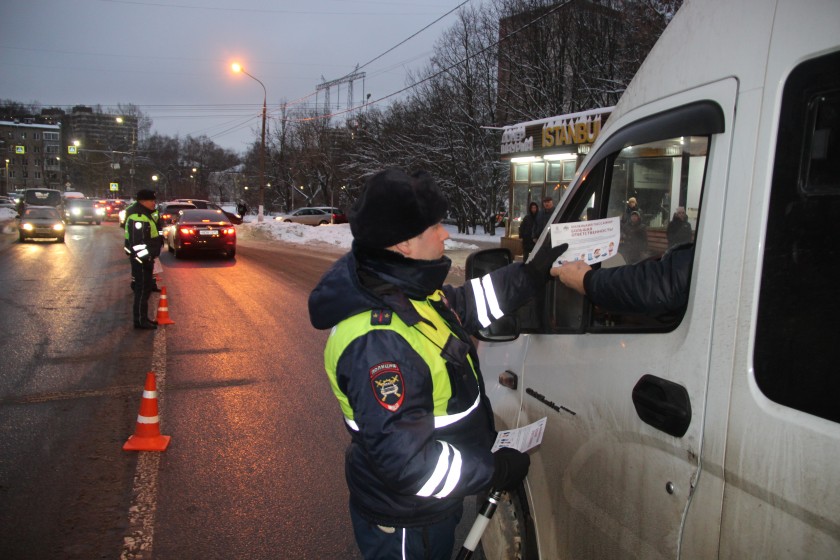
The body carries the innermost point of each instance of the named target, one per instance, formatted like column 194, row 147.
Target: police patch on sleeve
column 387, row 383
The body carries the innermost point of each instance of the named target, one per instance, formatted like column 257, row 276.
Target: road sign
column 20, row 149
column 72, row 149
column 115, row 187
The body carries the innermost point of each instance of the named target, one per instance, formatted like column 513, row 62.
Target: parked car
column 232, row 216
column 83, row 210
column 200, row 230
column 337, row 216
column 307, row 216
column 7, row 202
column 168, row 211
column 41, row 222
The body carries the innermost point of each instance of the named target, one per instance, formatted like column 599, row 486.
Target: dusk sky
column 173, row 58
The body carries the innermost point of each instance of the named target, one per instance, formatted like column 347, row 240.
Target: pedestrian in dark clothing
column 402, row 364
column 632, row 206
column 679, row 229
column 634, row 242
column 543, row 217
column 143, row 243
column 652, row 287
column 526, row 230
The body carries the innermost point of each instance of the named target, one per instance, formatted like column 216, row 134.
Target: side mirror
column 477, row 265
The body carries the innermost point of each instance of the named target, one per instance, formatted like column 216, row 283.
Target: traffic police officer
column 402, row 365
column 142, row 243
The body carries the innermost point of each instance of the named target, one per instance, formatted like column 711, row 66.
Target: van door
column 625, row 393
column 782, row 460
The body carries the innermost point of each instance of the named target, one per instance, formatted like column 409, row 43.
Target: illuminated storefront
column 544, row 156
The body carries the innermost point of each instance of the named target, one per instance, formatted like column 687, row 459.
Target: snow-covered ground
column 338, row 236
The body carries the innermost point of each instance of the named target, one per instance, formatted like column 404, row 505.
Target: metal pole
column 481, row 522
column 262, row 163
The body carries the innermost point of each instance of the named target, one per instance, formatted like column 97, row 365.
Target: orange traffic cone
column 147, row 433
column 163, row 309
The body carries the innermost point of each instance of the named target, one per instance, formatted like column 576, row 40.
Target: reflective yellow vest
column 425, row 340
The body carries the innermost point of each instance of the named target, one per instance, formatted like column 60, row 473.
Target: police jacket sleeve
column 403, row 446
column 483, row 300
column 652, row 287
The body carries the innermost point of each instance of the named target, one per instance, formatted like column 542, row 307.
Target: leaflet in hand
column 521, row 439
column 591, row 241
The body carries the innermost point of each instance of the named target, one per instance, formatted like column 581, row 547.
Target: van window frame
column 799, row 297
column 565, row 311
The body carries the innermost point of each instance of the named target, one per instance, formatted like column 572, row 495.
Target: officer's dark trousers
column 142, row 283
column 432, row 542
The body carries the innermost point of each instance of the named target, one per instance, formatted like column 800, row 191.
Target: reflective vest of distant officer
column 142, row 243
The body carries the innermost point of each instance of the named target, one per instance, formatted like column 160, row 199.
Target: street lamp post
column 238, row 68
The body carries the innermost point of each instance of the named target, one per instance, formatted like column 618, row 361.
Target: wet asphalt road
column 255, row 465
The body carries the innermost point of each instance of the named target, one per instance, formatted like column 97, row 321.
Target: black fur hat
column 145, row 194
column 395, row 207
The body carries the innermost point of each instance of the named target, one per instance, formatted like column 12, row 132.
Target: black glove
column 538, row 268
column 511, row 468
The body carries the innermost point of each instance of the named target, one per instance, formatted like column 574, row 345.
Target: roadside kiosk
column 544, row 156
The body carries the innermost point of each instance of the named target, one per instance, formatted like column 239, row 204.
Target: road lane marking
column 138, row 543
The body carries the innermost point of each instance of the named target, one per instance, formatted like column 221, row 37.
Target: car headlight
column 100, row 211
column 75, row 211
column 58, row 227
column 27, row 227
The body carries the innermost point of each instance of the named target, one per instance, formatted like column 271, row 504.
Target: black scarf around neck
column 384, row 272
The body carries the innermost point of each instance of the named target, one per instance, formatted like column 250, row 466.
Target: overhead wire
column 436, row 74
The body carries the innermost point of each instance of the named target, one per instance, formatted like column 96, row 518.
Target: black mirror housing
column 477, row 265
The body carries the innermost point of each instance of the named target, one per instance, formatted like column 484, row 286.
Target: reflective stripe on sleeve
column 490, row 294
column 454, row 475
column 352, row 424
column 443, row 421
column 142, row 253
column 480, row 302
column 439, row 472
column 139, row 247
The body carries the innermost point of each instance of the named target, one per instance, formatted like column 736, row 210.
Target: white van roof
column 738, row 47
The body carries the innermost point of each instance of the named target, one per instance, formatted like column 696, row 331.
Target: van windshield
column 42, row 197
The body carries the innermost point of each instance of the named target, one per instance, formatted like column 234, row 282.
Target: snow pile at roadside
column 7, row 216
column 335, row 235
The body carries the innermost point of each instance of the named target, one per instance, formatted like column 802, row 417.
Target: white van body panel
column 750, row 478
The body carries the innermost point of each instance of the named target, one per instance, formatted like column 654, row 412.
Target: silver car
column 308, row 216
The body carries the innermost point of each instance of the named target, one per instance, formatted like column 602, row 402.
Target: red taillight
column 187, row 231
column 229, row 231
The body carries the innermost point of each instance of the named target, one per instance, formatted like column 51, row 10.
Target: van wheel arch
column 511, row 533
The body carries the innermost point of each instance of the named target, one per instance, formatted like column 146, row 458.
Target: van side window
column 654, row 189
column 799, row 302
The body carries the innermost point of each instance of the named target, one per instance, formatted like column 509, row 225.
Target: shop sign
column 574, row 129
column 582, row 132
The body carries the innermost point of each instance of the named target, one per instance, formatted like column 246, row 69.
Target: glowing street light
column 238, row 68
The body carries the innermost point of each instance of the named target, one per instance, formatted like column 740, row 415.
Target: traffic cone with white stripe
column 163, row 309
column 147, row 433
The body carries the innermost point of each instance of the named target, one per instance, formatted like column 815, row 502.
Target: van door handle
column 663, row 404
